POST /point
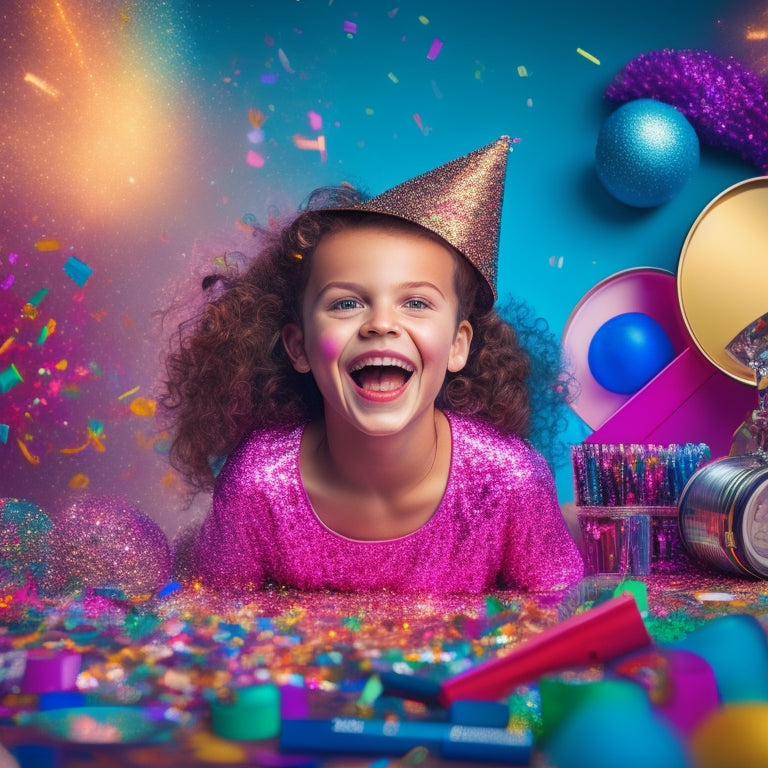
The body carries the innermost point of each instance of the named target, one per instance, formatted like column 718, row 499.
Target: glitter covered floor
column 161, row 660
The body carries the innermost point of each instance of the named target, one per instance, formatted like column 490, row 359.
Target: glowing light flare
column 115, row 115
column 42, row 85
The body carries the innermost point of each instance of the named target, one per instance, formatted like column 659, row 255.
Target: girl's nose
column 380, row 323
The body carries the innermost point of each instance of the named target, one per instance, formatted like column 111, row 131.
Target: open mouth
column 381, row 374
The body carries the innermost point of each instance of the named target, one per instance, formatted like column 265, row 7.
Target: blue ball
column 646, row 152
column 600, row 734
column 627, row 351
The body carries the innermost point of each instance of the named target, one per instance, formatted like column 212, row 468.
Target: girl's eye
column 345, row 304
column 416, row 304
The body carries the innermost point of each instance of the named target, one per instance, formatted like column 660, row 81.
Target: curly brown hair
column 227, row 372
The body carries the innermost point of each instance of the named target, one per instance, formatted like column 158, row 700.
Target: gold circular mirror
column 722, row 276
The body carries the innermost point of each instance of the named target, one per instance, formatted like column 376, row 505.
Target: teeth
column 381, row 361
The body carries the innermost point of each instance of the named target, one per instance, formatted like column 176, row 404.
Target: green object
column 252, row 715
column 638, row 590
column 562, row 696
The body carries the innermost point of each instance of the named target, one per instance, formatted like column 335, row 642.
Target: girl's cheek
column 330, row 347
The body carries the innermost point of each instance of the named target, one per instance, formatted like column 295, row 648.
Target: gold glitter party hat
column 459, row 201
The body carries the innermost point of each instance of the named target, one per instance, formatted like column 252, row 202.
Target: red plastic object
column 596, row 636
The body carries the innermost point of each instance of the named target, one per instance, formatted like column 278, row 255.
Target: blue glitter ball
column 25, row 531
column 646, row 152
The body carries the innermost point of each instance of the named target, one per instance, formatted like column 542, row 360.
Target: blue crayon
column 352, row 735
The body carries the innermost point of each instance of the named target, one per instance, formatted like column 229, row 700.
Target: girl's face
column 380, row 327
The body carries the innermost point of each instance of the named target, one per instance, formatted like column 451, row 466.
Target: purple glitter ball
column 104, row 542
column 724, row 102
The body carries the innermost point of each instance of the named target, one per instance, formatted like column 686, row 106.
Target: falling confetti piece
column 79, row 481
column 434, row 49
column 95, row 430
column 47, row 244
column 269, row 78
column 350, row 27
column 301, row 143
column 129, row 393
column 42, row 85
column 38, row 297
column 9, row 378
column 30, row 457
column 254, row 159
column 4, row 430
column 77, row 270
column 587, row 56
column 522, row 71
column 46, row 331
column 315, row 121
column 424, row 20
column 256, row 136
column 7, row 282
column 256, row 117
column 6, row 345
column 556, row 261
column 143, row 406
column 393, row 78
column 284, row 61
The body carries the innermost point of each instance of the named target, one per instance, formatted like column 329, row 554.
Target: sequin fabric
column 499, row 525
column 724, row 102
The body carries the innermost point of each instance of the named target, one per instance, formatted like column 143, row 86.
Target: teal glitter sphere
column 25, row 531
column 646, row 152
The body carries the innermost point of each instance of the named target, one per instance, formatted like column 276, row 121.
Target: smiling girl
column 371, row 404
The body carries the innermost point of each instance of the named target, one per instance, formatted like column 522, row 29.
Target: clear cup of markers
column 615, row 540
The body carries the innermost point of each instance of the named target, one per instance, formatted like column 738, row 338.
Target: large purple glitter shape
column 724, row 102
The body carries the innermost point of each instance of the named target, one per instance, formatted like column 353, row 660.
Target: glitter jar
column 723, row 515
column 615, row 539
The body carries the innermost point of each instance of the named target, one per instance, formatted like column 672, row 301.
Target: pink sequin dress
column 498, row 526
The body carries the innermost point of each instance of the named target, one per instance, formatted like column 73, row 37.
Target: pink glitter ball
column 104, row 542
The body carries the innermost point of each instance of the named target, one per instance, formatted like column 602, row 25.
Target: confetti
column 522, row 71
column 393, row 78
column 42, row 85
column 46, row 331
column 77, row 270
column 79, row 481
column 129, row 393
column 587, row 56
column 434, row 49
column 350, row 28
column 6, row 345
column 9, row 378
column 47, row 244
column 143, row 406
column 315, row 121
column 256, row 117
column 4, row 431
column 30, row 457
column 254, row 159
column 284, row 61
